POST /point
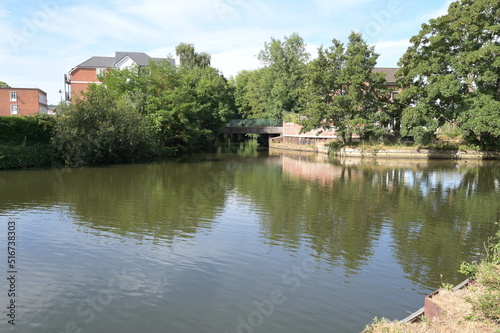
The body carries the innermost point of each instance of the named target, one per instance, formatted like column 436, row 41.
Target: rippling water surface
column 240, row 241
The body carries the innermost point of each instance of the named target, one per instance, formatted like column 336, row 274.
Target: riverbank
column 472, row 306
column 388, row 152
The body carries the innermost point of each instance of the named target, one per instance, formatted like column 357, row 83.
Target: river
column 238, row 240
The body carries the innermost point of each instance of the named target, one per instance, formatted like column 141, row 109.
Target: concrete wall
column 291, row 134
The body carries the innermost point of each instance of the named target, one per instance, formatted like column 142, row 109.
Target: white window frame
column 99, row 71
column 14, row 110
column 13, row 96
column 393, row 94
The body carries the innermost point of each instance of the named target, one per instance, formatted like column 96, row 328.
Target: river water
column 237, row 240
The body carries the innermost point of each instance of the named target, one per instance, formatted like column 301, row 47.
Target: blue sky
column 42, row 40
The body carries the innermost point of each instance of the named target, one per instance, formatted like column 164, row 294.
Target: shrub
column 26, row 130
column 102, row 130
column 33, row 156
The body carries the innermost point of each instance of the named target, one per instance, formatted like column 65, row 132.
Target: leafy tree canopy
column 275, row 88
column 342, row 90
column 452, row 73
column 101, row 129
column 148, row 111
column 4, row 85
column 191, row 59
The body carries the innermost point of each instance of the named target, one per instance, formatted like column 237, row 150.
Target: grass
column 475, row 308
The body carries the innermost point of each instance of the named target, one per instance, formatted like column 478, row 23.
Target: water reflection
column 158, row 200
column 438, row 212
column 435, row 214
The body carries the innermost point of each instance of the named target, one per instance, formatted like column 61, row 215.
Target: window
column 13, row 109
column 393, row 95
column 99, row 71
column 13, row 96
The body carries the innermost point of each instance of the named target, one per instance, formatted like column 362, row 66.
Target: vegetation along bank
column 448, row 77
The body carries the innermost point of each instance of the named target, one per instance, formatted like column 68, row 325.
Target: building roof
column 142, row 59
column 23, row 88
column 390, row 73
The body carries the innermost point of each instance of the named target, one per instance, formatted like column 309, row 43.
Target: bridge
column 255, row 126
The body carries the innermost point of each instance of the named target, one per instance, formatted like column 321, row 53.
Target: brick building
column 78, row 78
column 22, row 101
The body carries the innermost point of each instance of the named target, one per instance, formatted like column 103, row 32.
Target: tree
column 253, row 94
column 100, row 129
column 4, row 85
column 342, row 90
column 361, row 103
column 321, row 86
column 452, row 74
column 285, row 64
column 191, row 59
column 188, row 107
column 147, row 111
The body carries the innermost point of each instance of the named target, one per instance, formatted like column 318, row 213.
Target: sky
column 40, row 41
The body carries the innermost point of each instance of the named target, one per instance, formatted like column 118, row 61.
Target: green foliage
column 191, row 59
column 343, row 91
column 452, row 72
column 290, row 117
column 486, row 301
column 487, row 304
column 32, row 156
column 468, row 269
column 18, row 130
column 4, row 85
column 286, row 64
column 269, row 91
column 188, row 108
column 61, row 108
column 143, row 112
column 321, row 86
column 445, row 285
column 252, row 94
column 25, row 142
column 101, row 129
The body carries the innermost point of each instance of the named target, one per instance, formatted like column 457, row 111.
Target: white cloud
column 231, row 62
column 232, row 31
column 390, row 52
column 437, row 13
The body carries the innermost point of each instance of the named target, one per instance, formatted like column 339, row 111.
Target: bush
column 102, row 130
column 18, row 130
column 33, row 156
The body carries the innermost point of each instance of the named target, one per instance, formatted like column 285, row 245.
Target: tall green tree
column 188, row 106
column 4, row 85
column 253, row 94
column 362, row 100
column 285, row 62
column 452, row 74
column 321, row 86
column 343, row 91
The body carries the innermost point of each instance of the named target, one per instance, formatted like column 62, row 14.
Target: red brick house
column 390, row 77
column 78, row 78
column 22, row 101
